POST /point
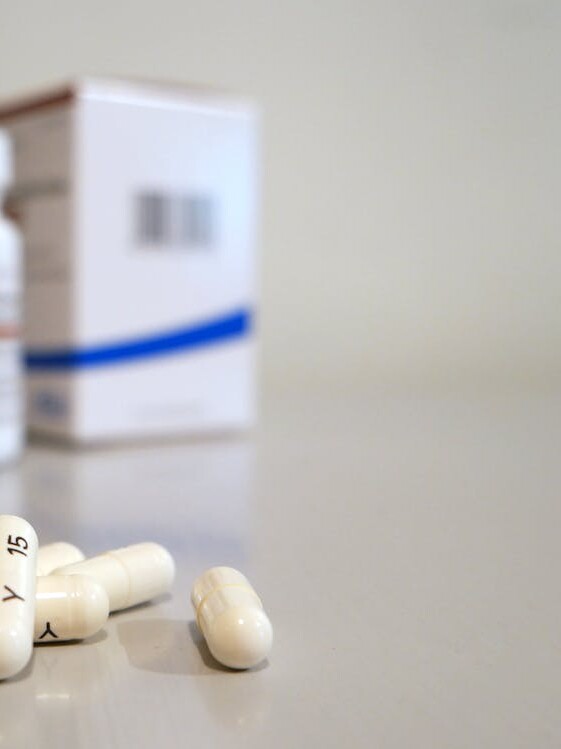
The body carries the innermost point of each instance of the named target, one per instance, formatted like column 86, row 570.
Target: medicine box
column 138, row 206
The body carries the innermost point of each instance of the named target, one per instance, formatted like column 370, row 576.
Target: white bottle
column 11, row 374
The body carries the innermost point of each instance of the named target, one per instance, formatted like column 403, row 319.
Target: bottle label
column 10, row 359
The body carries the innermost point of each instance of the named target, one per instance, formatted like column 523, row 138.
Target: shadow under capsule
column 160, row 645
column 239, row 700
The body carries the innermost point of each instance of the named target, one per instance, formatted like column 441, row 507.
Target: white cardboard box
column 138, row 208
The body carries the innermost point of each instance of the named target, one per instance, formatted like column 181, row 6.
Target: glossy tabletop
column 405, row 547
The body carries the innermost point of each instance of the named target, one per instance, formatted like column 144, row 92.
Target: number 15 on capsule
column 18, row 552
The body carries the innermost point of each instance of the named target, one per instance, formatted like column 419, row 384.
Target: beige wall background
column 412, row 175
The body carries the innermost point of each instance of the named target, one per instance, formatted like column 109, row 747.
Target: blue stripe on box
column 235, row 324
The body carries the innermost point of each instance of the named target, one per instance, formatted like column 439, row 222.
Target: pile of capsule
column 53, row 594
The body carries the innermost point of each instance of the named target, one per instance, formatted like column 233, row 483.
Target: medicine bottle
column 11, row 375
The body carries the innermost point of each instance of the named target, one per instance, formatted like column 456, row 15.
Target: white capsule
column 69, row 607
column 51, row 556
column 18, row 557
column 130, row 575
column 231, row 617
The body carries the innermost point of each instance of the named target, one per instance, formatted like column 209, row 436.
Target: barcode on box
column 164, row 220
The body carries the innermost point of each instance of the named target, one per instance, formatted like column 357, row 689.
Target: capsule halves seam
column 231, row 617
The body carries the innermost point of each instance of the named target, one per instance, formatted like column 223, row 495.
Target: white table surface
column 406, row 548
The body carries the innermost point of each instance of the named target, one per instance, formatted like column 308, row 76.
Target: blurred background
column 405, row 541
column 410, row 229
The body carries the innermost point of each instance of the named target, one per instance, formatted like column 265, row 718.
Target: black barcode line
column 163, row 220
